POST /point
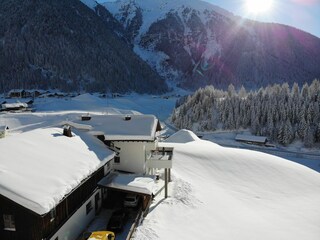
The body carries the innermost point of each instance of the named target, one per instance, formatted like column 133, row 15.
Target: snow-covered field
column 217, row 192
column 226, row 193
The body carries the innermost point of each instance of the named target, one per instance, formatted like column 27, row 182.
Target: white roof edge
column 251, row 138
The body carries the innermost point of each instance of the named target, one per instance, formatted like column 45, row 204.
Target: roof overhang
column 127, row 183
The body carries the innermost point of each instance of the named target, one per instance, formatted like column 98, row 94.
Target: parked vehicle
column 117, row 220
column 99, row 235
column 131, row 200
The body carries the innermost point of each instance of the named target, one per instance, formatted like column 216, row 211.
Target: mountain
column 196, row 43
column 67, row 45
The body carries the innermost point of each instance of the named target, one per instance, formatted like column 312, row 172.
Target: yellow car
column 102, row 235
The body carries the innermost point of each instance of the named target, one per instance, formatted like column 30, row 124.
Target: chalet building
column 16, row 93
column 257, row 140
column 14, row 106
column 25, row 93
column 132, row 137
column 48, row 183
column 138, row 156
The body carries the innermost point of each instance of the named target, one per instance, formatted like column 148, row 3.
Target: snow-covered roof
column 130, row 183
column 250, row 138
column 40, row 167
column 116, row 127
column 14, row 105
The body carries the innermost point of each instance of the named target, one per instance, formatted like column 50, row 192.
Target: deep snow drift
column 225, row 193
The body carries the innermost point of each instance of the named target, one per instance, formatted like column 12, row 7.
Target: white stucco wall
column 78, row 221
column 133, row 156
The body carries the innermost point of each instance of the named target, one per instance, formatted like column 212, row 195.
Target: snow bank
column 38, row 168
column 182, row 136
column 226, row 193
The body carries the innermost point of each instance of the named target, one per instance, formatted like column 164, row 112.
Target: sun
column 259, row 6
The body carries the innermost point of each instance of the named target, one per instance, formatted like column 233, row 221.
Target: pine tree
column 309, row 137
column 302, row 128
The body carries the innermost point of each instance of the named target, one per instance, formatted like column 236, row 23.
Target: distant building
column 25, row 93
column 16, row 93
column 14, row 106
column 259, row 140
column 48, row 184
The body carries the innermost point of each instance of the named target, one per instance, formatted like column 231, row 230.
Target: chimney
column 67, row 131
column 85, row 117
column 127, row 118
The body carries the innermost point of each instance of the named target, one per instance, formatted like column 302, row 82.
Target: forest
column 282, row 113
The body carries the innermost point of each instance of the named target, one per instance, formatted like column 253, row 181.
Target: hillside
column 282, row 114
column 196, row 43
column 225, row 193
column 66, row 45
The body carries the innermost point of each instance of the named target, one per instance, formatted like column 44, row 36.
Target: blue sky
column 302, row 14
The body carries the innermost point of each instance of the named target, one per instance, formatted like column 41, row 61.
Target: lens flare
column 259, row 6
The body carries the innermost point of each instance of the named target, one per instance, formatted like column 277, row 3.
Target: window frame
column 89, row 207
column 9, row 223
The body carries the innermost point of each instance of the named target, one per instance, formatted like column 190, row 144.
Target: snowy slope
column 154, row 10
column 224, row 193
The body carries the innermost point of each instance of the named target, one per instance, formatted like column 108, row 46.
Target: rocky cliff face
column 66, row 45
column 196, row 44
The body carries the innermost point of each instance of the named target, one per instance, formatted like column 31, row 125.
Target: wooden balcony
column 160, row 158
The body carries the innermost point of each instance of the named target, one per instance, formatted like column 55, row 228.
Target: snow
column 154, row 10
column 115, row 127
column 182, row 136
column 133, row 182
column 226, row 193
column 40, row 167
column 14, row 105
column 217, row 192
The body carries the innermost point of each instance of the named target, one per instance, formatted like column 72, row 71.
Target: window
column 116, row 159
column 107, row 168
column 89, row 207
column 9, row 223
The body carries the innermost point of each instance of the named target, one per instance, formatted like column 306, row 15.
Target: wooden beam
column 166, row 183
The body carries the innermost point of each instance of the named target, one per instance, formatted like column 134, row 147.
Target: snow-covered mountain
column 197, row 43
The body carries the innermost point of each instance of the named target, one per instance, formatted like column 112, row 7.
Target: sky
column 302, row 14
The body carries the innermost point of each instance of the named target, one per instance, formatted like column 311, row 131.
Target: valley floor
column 217, row 192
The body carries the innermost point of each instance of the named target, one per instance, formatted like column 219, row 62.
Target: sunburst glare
column 259, row 6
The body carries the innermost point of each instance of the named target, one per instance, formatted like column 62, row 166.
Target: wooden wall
column 30, row 226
